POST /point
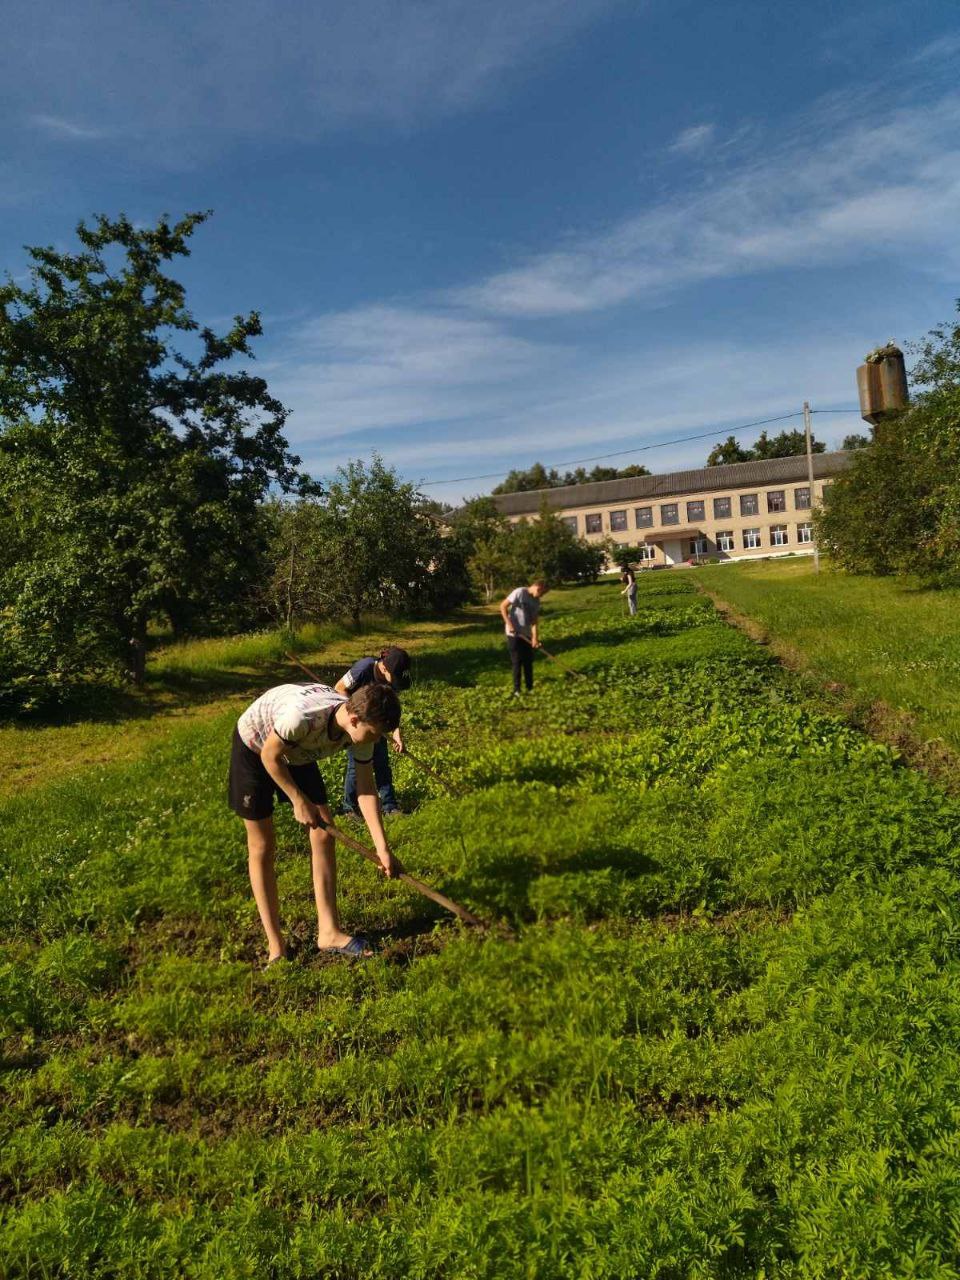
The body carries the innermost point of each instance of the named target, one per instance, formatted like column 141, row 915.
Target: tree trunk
column 293, row 555
column 138, row 659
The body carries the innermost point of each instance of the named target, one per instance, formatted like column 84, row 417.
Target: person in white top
column 276, row 745
column 520, row 611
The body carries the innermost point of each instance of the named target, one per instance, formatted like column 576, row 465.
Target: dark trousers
column 521, row 658
column 382, row 773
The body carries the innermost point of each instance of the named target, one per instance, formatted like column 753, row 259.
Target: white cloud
column 382, row 367
column 437, row 394
column 67, row 129
column 300, row 67
column 838, row 188
column 694, row 140
column 457, row 385
column 946, row 46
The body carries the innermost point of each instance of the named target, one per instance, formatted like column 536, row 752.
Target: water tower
column 882, row 384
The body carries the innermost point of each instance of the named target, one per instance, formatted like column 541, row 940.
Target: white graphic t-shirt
column 303, row 716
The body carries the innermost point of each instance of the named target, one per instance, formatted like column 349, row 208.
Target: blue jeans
column 382, row 773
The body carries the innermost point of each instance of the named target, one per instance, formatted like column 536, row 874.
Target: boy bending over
column 276, row 745
column 391, row 668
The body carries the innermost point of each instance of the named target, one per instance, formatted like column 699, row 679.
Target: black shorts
column 251, row 789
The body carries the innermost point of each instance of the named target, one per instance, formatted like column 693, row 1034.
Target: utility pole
column 809, row 435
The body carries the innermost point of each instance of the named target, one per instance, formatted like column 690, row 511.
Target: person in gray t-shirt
column 520, row 611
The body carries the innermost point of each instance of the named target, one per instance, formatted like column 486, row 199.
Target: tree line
column 785, row 444
column 146, row 482
column 538, row 477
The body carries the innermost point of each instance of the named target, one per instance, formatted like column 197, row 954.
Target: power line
column 642, row 448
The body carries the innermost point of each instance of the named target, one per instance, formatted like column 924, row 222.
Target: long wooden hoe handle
column 421, row 764
column 448, row 903
column 562, row 665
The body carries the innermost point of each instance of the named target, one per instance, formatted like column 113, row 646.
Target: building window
column 721, row 509
column 670, row 513
column 778, row 535
column 594, row 523
column 698, row 546
column 827, row 492
column 648, row 553
column 694, row 510
column 618, row 521
column 644, row 517
column 725, row 540
column 805, row 532
column 748, row 504
column 570, row 522
column 751, row 539
column 801, row 499
column 777, row 500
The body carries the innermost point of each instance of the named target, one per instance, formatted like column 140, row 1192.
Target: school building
column 740, row 511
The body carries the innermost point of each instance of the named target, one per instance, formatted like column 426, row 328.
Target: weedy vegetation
column 724, row 1044
column 884, row 639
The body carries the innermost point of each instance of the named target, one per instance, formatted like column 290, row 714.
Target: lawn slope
column 884, row 639
column 724, row 1044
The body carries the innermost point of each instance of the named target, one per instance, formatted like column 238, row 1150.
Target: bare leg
column 261, row 846
column 324, row 860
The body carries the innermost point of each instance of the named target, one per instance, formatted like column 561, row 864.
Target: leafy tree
column 786, row 444
column 624, row 555
column 875, row 518
column 537, row 477
column 492, row 561
column 483, row 539
column 130, row 470
column 897, row 509
column 548, row 548
column 501, row 554
column 366, row 545
column 728, row 451
column 855, row 441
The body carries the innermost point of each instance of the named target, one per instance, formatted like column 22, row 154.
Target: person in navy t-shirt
column 391, row 668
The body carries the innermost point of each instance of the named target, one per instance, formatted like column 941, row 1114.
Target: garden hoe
column 562, row 665
column 448, row 903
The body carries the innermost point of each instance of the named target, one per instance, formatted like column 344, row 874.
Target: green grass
column 724, row 1044
column 191, row 681
column 883, row 638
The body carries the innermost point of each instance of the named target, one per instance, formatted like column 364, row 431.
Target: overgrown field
column 882, row 638
column 724, row 1045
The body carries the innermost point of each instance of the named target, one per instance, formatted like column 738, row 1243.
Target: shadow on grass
column 173, row 690
column 502, row 886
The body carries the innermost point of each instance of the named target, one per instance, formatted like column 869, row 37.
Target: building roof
column 734, row 475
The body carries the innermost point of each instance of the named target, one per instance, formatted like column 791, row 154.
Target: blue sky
column 486, row 234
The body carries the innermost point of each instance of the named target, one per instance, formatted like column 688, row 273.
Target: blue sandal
column 355, row 947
